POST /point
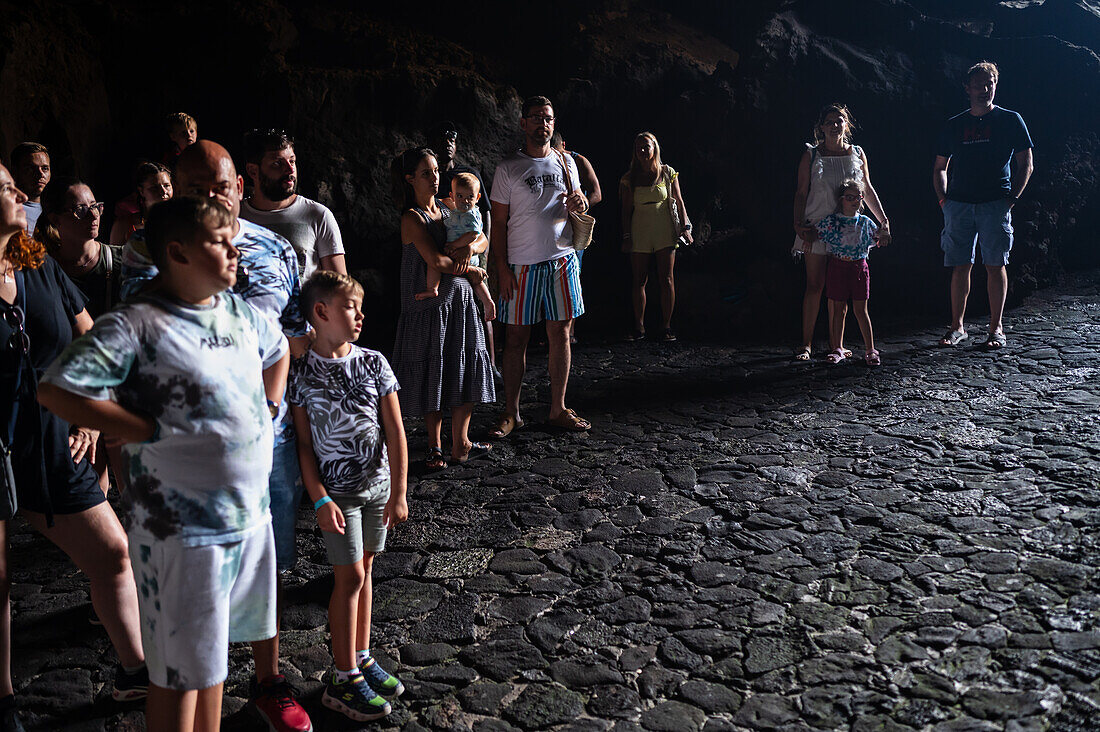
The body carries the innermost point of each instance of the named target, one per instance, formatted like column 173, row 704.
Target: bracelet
column 321, row 502
column 942, row 201
column 687, row 227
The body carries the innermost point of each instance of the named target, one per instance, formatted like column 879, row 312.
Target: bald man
column 267, row 277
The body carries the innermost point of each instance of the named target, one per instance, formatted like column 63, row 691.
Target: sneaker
column 131, row 687
column 273, row 701
column 354, row 699
column 381, row 680
column 9, row 715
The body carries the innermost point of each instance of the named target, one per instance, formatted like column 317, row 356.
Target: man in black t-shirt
column 977, row 189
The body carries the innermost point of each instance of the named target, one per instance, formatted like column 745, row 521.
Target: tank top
column 827, row 174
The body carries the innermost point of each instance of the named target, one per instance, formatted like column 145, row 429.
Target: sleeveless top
column 827, row 174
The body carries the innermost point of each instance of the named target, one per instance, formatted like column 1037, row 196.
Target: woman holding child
column 58, row 493
column 439, row 357
column 826, row 164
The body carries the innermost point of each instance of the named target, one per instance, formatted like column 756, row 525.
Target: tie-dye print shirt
column 343, row 397
column 848, row 237
column 271, row 285
column 197, row 371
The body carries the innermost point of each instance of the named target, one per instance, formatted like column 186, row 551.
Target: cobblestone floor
column 740, row 543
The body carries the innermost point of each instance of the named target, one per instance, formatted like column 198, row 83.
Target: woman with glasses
column 69, row 227
column 826, row 164
column 57, row 490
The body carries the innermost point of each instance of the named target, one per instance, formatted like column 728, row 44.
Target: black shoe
column 131, row 687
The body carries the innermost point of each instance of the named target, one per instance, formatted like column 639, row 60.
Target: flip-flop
column 506, row 423
column 634, row 336
column 996, row 341
column 477, row 450
column 568, row 420
column 803, row 354
column 954, row 337
column 434, row 460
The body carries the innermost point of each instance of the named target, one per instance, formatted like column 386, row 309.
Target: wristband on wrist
column 942, row 201
column 321, row 501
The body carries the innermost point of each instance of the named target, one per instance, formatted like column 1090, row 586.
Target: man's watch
column 273, row 407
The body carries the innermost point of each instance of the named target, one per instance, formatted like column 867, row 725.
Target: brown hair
column 535, row 102
column 849, row 183
column 322, row 285
column 406, row 164
column 55, row 199
column 845, row 114
column 181, row 219
column 24, row 150
column 983, row 67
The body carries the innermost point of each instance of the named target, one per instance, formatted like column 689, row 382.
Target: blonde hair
column 631, row 176
column 468, row 181
column 179, row 119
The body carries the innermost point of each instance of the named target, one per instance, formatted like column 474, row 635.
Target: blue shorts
column 988, row 224
column 544, row 291
column 285, row 490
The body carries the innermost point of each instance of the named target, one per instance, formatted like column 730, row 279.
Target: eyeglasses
column 541, row 119
column 851, row 197
column 19, row 340
column 83, row 210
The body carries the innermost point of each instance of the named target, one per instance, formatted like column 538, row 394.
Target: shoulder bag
column 582, row 224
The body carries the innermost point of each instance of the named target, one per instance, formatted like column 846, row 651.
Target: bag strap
column 109, row 260
column 565, row 169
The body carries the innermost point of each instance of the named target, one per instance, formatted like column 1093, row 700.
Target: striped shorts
column 545, row 291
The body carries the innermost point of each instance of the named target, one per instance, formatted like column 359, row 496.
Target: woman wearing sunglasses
column 69, row 227
column 57, row 490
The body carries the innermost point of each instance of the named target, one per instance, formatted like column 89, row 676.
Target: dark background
column 731, row 90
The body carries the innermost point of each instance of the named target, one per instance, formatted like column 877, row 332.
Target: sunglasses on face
column 19, row 340
column 84, row 211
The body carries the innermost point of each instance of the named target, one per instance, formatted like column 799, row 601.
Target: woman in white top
column 824, row 167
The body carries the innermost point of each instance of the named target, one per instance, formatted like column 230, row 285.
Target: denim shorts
column 285, row 489
column 363, row 527
column 987, row 224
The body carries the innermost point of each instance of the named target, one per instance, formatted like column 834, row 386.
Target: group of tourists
column 206, row 357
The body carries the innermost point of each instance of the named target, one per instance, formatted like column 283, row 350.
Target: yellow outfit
column 651, row 224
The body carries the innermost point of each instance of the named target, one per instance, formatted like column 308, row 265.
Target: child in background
column 351, row 446
column 182, row 131
column 196, row 374
column 848, row 237
column 464, row 218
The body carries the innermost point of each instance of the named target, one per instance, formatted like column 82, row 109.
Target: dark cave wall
column 730, row 89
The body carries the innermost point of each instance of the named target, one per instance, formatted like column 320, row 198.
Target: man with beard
column 272, row 166
column 532, row 245
column 30, row 167
column 267, row 278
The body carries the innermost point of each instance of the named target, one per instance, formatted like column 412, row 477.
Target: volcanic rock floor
column 741, row 542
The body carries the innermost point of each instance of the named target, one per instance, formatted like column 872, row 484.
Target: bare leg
column 362, row 630
column 997, row 286
column 100, row 466
column 515, row 365
column 431, row 286
column 811, row 301
column 558, row 362
column 960, row 290
column 433, row 424
column 208, row 709
column 96, row 543
column 481, row 292
column 169, row 710
column 838, row 312
column 639, row 268
column 666, row 261
column 460, row 430
column 859, row 307
column 490, row 343
column 265, row 653
column 5, row 614
column 343, row 608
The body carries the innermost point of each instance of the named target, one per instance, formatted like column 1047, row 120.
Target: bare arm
column 626, row 200
column 329, row 516
column 334, row 263
column 685, row 222
column 1025, row 165
column 871, row 197
column 589, row 181
column 275, row 376
column 801, row 193
column 498, row 250
column 397, row 507
column 119, row 232
column 413, row 230
column 82, row 323
column 103, row 415
column 939, row 178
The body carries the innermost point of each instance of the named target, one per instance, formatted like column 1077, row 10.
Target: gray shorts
column 363, row 527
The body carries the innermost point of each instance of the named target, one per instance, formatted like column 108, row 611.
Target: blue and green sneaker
column 354, row 699
column 381, row 680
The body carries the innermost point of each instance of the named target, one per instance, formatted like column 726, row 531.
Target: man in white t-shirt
column 30, row 167
column 275, row 203
column 532, row 244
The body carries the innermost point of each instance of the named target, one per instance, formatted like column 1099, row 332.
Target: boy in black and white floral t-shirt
column 351, row 446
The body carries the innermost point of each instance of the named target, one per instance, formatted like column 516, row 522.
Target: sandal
column 996, row 341
column 477, row 450
column 846, row 351
column 872, row 358
column 635, row 335
column 505, row 425
column 668, row 336
column 434, row 460
column 803, row 354
column 568, row 420
column 953, row 337
column 836, row 356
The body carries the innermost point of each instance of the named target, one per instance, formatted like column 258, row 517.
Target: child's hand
column 331, row 519
column 395, row 512
column 884, row 238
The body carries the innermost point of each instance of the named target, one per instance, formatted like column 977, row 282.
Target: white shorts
column 196, row 600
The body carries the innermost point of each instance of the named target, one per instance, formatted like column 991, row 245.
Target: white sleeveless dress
column 827, row 174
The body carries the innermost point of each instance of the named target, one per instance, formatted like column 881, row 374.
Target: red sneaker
column 273, row 700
